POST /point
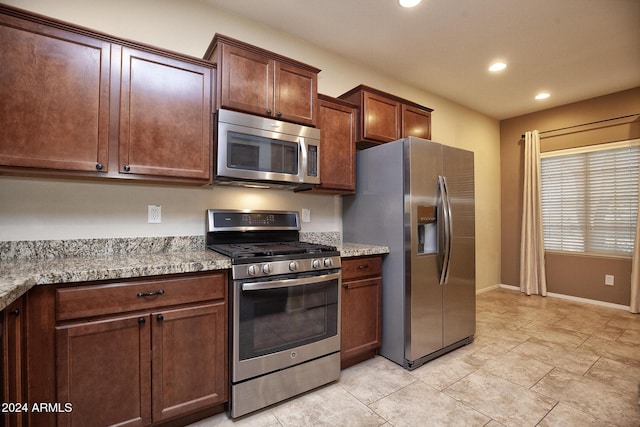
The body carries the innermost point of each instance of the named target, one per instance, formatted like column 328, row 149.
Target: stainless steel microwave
column 258, row 151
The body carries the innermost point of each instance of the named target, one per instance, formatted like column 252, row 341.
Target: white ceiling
column 574, row 49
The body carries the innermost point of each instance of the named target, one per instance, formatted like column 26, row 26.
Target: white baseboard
column 483, row 290
column 562, row 296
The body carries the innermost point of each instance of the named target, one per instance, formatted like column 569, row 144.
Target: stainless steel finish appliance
column 260, row 151
column 417, row 197
column 284, row 307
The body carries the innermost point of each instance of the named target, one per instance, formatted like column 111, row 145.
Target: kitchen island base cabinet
column 160, row 359
column 361, row 309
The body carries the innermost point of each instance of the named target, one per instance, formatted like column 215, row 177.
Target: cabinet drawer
column 95, row 300
column 355, row 268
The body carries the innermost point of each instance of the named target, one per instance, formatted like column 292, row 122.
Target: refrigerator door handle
column 446, row 213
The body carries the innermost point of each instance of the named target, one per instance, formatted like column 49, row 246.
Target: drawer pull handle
column 345, row 286
column 150, row 294
column 15, row 312
column 363, row 266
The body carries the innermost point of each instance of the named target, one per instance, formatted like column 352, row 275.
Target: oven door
column 284, row 322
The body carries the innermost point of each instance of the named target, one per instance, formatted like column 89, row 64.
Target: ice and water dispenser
column 427, row 230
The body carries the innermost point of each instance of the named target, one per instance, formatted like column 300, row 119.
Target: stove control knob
column 328, row 262
column 252, row 270
column 293, row 266
column 266, row 269
column 315, row 263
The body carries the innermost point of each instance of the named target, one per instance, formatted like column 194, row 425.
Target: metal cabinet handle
column 15, row 312
column 269, row 111
column 142, row 321
column 160, row 318
column 362, row 267
column 99, row 166
column 127, row 168
column 279, row 113
column 150, row 294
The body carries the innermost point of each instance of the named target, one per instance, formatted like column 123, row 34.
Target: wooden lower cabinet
column 11, row 333
column 188, row 359
column 159, row 359
column 103, row 372
column 361, row 311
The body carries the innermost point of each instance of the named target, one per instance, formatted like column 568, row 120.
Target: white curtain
column 635, row 265
column 532, row 270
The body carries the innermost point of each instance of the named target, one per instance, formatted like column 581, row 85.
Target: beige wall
column 55, row 209
column 581, row 276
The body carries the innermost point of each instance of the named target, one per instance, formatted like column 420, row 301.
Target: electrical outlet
column 306, row 215
column 609, row 279
column 154, row 214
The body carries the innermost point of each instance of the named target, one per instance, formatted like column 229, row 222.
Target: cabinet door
column 295, row 94
column 189, row 359
column 381, row 121
column 103, row 370
column 246, row 81
column 337, row 143
column 165, row 116
column 361, row 323
column 54, row 87
column 12, row 364
column 416, row 122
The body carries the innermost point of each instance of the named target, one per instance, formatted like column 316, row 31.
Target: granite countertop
column 18, row 276
column 27, row 264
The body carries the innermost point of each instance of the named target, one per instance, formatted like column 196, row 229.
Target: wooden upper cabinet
column 337, row 123
column 246, row 81
column 54, row 86
column 165, row 116
column 416, row 122
column 257, row 81
column 385, row 117
column 382, row 119
column 295, row 94
column 61, row 87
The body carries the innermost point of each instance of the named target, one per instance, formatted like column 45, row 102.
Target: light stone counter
column 358, row 249
column 27, row 264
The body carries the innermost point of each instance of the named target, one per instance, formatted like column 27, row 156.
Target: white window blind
column 590, row 198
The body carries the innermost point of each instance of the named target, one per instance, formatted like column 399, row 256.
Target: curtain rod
column 587, row 124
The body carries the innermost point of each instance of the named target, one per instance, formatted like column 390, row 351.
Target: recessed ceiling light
column 498, row 66
column 409, row 3
column 543, row 95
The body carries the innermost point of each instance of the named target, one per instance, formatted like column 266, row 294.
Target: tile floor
column 535, row 362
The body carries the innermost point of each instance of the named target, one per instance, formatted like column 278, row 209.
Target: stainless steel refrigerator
column 417, row 197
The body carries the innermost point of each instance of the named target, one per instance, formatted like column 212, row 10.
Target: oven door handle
column 286, row 283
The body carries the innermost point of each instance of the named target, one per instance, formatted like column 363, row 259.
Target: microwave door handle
column 286, row 283
column 303, row 154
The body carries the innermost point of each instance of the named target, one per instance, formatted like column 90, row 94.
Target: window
column 590, row 198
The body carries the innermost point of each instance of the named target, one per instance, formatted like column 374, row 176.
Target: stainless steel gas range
column 284, row 308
